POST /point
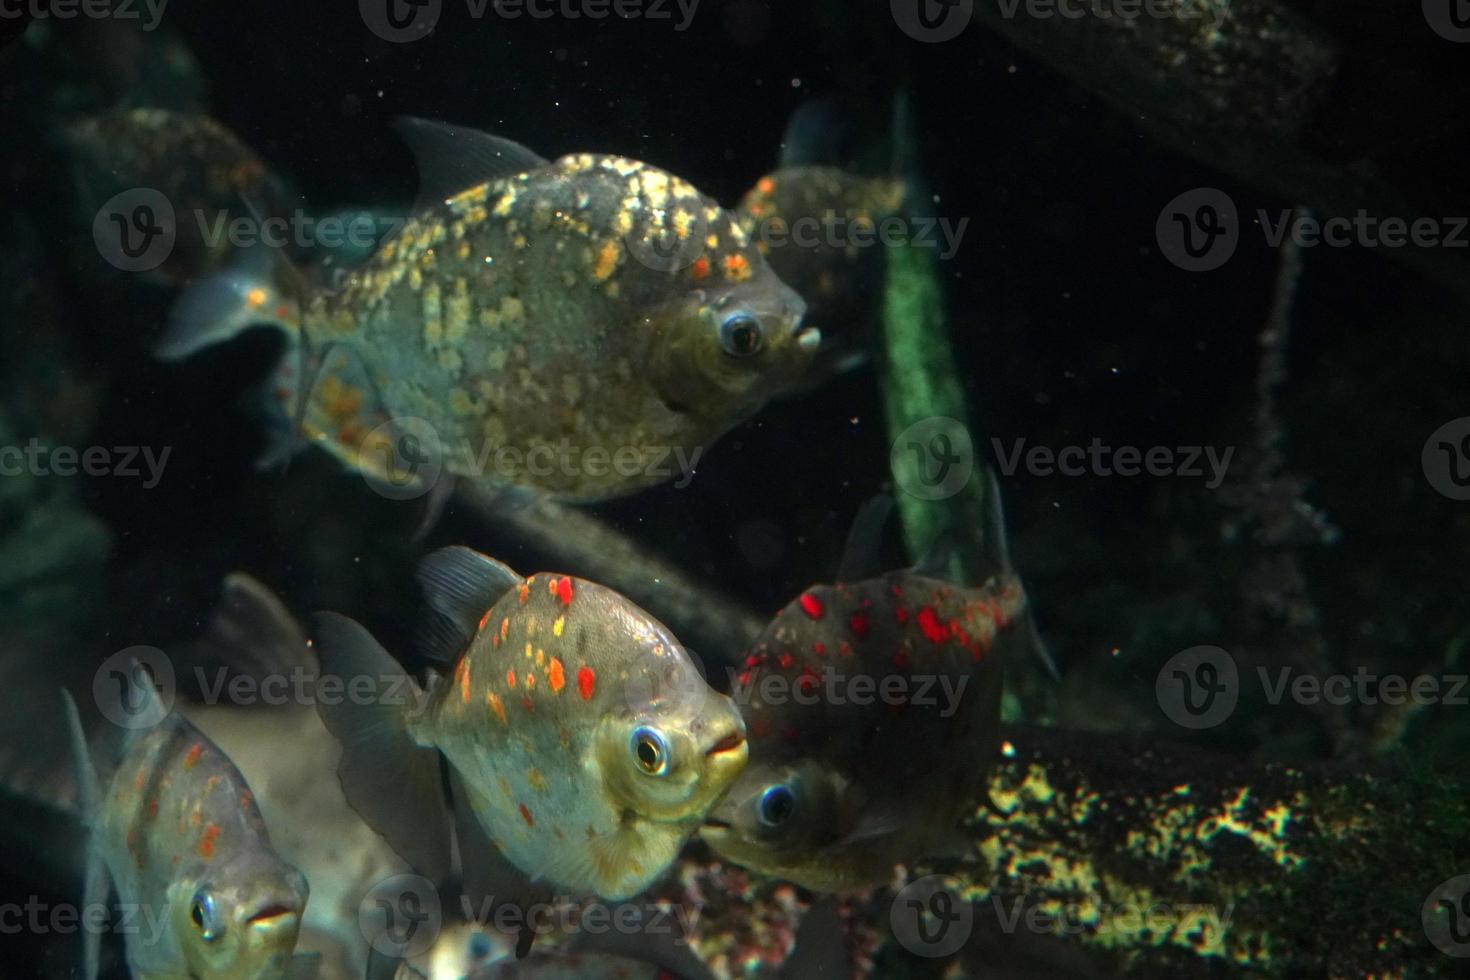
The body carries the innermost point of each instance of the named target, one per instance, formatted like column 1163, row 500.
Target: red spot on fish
column 195, row 751
column 785, row 660
column 563, row 589
column 844, row 649
column 807, row 680
column 586, row 682
column 700, row 269
column 510, row 677
column 858, row 623
column 523, row 591
column 526, row 816
column 901, row 661
column 527, row 703
column 820, row 649
column 901, row 615
column 896, row 589
column 811, row 605
column 484, row 619
column 934, row 631
column 207, row 839
column 744, row 678
column 752, row 661
column 153, row 808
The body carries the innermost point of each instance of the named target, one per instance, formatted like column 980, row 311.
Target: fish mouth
column 717, row 825
column 733, row 742
column 273, row 916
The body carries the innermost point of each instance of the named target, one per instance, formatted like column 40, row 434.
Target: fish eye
column 202, row 914
column 777, row 803
column 740, row 335
column 650, row 750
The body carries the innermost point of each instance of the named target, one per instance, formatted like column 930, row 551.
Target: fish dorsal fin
column 862, row 555
column 454, row 158
column 250, row 632
column 997, row 545
column 459, row 584
column 813, row 135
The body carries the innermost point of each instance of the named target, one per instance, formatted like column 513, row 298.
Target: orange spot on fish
column 556, row 676
column 256, row 298
column 767, row 185
column 504, row 628
column 530, row 681
column 737, row 268
column 207, row 839
column 497, row 706
column 463, row 670
column 700, row 269
column 153, row 808
column 526, row 815
column 811, row 605
column 586, row 682
column 510, row 677
column 523, row 591
column 484, row 619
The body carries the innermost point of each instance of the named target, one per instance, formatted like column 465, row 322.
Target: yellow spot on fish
column 683, row 223
column 537, row 781
column 496, row 706
column 528, row 651
column 559, row 625
column 607, row 260
column 540, row 657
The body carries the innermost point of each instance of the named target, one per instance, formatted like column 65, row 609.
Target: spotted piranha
column 177, row 831
column 584, row 327
column 577, row 729
column 872, row 708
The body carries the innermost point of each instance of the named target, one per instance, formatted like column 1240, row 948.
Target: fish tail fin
column 95, row 884
column 389, row 779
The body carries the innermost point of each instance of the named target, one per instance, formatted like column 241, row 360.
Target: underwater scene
column 727, row 489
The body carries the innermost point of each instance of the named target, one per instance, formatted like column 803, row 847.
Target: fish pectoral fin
column 459, row 585
column 454, row 158
column 392, row 782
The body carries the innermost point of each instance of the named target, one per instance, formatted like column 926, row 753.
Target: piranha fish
column 872, row 707
column 527, row 326
column 818, row 228
column 580, row 733
column 177, row 831
column 202, row 169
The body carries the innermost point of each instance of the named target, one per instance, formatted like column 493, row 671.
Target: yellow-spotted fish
column 873, row 709
column 585, row 327
column 579, row 732
column 176, row 830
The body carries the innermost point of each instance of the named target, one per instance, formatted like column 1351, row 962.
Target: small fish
column 534, row 320
column 177, row 831
column 204, row 171
column 818, row 228
column 579, row 731
column 846, row 781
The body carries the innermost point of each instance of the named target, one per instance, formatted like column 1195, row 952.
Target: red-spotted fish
column 873, row 707
column 176, row 830
column 536, row 320
column 579, row 731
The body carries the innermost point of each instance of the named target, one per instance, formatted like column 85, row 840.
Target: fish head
column 724, row 350
column 672, row 745
column 239, row 920
column 778, row 817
